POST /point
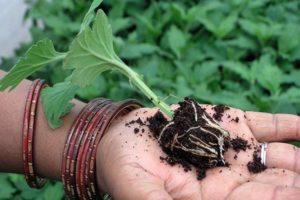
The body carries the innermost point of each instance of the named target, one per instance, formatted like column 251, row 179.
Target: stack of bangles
column 78, row 161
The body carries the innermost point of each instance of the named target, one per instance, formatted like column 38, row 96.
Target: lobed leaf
column 90, row 14
column 37, row 57
column 92, row 52
column 56, row 101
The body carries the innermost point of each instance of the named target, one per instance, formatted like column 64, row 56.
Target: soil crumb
column 219, row 112
column 256, row 166
column 236, row 120
column 136, row 130
column 137, row 121
column 239, row 144
column 192, row 138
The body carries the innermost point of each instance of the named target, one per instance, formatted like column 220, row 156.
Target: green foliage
column 242, row 53
column 92, row 52
column 15, row 187
column 56, row 101
column 39, row 55
column 89, row 16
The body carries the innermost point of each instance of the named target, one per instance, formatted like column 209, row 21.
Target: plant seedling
column 191, row 134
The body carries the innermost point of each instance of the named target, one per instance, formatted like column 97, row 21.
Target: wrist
column 49, row 143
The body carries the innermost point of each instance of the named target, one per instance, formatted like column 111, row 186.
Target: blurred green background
column 243, row 53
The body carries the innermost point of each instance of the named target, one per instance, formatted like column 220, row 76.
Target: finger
column 281, row 155
column 278, row 177
column 136, row 183
column 255, row 190
column 274, row 127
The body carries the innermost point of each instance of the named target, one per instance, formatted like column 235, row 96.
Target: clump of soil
column 236, row 120
column 239, row 144
column 219, row 112
column 191, row 138
column 138, row 121
column 256, row 166
column 136, row 130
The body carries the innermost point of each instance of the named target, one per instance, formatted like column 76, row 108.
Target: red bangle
column 71, row 148
column 28, row 134
column 78, row 164
column 81, row 175
column 116, row 110
column 84, row 132
column 79, row 169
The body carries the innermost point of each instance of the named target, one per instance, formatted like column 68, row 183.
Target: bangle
column 78, row 164
column 82, row 153
column 70, row 150
column 82, row 175
column 83, row 134
column 28, row 134
column 116, row 110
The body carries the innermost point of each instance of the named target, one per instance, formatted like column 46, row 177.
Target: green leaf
column 226, row 97
column 289, row 42
column 6, row 189
column 238, row 68
column 267, row 74
column 176, row 39
column 293, row 77
column 56, row 101
column 92, row 52
column 54, row 192
column 120, row 24
column 37, row 57
column 133, row 51
column 262, row 30
column 89, row 16
column 226, row 25
column 94, row 90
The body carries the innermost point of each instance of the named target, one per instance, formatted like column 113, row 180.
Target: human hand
column 129, row 164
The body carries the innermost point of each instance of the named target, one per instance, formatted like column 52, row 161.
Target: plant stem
column 137, row 81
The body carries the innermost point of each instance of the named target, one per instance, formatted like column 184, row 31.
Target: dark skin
column 128, row 165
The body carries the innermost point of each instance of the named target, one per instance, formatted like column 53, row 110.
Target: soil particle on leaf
column 239, row 144
column 219, row 112
column 192, row 138
column 256, row 166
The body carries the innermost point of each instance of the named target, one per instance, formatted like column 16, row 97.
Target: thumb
column 136, row 183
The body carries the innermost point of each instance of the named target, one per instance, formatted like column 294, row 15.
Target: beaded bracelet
column 28, row 134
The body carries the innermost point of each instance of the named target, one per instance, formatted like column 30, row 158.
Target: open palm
column 129, row 164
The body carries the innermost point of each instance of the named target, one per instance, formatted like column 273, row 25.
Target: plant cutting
column 189, row 133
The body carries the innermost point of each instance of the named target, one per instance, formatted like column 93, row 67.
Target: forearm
column 48, row 143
